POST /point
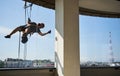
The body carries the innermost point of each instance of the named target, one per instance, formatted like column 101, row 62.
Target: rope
column 19, row 48
column 25, row 51
column 25, row 45
column 29, row 16
column 28, row 12
column 19, row 45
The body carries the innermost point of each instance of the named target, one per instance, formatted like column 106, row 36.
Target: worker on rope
column 29, row 28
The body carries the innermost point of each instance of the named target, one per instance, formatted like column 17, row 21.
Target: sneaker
column 7, row 36
column 24, row 40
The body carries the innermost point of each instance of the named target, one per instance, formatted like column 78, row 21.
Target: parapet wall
column 52, row 72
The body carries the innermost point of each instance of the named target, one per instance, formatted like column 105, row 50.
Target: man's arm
column 42, row 34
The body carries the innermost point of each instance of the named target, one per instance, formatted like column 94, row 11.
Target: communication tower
column 111, row 59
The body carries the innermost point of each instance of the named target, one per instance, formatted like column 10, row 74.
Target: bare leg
column 26, row 32
column 13, row 32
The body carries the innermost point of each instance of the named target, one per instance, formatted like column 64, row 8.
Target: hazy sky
column 94, row 34
column 94, row 38
column 11, row 16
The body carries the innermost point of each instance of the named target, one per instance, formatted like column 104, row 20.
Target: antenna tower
column 111, row 59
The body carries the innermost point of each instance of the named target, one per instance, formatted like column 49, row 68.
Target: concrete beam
column 67, row 37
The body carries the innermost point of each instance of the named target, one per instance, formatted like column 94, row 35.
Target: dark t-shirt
column 33, row 27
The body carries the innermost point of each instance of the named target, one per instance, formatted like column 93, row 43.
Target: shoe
column 7, row 36
column 49, row 31
column 24, row 40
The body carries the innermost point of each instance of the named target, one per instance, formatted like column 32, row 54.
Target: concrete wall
column 28, row 72
column 48, row 72
column 100, row 72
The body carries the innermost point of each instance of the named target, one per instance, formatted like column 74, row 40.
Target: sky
column 12, row 15
column 94, row 38
column 94, row 34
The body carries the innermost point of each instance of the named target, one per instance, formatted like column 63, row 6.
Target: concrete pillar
column 67, row 37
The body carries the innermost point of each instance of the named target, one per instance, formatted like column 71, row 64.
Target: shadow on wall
column 58, row 63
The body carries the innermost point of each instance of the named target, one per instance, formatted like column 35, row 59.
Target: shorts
column 22, row 28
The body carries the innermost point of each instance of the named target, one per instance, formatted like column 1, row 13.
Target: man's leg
column 13, row 32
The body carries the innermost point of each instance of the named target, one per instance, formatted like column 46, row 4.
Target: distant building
column 17, row 63
column 43, row 63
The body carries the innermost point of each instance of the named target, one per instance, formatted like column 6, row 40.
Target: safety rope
column 29, row 16
column 26, row 10
column 25, row 45
column 19, row 45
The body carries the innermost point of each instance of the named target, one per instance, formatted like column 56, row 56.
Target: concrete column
column 67, row 38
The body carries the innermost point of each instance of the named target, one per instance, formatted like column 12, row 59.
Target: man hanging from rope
column 29, row 28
